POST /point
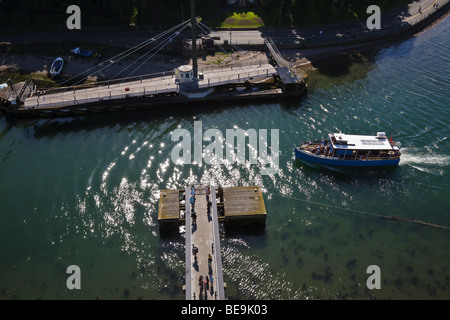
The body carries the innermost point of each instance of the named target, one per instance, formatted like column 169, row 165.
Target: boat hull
column 57, row 66
column 307, row 156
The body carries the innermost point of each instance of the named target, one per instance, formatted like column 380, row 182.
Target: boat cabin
column 359, row 147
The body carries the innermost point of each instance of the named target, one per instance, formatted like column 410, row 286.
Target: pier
column 201, row 217
column 203, row 233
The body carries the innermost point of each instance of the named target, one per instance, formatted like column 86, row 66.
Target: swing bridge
column 248, row 81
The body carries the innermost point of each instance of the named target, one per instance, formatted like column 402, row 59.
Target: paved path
column 203, row 233
column 390, row 21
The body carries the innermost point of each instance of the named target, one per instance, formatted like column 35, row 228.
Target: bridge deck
column 146, row 87
column 287, row 73
column 203, row 234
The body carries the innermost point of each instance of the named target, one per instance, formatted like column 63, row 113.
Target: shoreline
column 301, row 57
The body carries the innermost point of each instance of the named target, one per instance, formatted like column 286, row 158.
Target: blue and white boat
column 351, row 150
column 82, row 52
column 57, row 66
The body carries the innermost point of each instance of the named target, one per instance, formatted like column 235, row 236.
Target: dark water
column 85, row 192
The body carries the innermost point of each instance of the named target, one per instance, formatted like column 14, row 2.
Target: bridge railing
column 139, row 89
column 108, row 83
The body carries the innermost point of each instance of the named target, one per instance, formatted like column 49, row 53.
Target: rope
column 200, row 24
column 125, row 53
column 161, row 45
column 140, row 46
column 391, row 217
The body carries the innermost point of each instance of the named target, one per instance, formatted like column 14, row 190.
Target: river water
column 84, row 192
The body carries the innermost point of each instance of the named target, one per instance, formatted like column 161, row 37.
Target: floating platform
column 172, row 208
column 241, row 206
column 234, row 205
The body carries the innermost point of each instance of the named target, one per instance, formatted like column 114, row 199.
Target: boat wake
column 429, row 162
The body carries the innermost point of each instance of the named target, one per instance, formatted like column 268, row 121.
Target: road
column 390, row 21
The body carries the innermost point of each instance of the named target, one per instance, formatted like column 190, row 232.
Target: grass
column 219, row 58
column 41, row 81
column 242, row 20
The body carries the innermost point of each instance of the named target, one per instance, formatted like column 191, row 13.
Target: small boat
column 351, row 150
column 57, row 66
column 82, row 52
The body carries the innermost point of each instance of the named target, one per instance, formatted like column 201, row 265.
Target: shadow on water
column 339, row 65
column 347, row 173
column 50, row 127
column 340, row 69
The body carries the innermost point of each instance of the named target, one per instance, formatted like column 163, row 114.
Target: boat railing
column 357, row 156
column 368, row 157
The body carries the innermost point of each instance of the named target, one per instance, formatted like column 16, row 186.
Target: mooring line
column 390, row 217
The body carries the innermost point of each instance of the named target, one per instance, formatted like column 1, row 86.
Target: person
column 200, row 282
column 209, row 207
column 194, row 217
column 209, row 258
column 192, row 201
column 194, row 251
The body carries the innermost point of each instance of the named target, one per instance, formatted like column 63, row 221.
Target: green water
column 84, row 192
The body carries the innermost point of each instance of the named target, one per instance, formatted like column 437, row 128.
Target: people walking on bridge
column 207, row 192
column 194, row 251
column 200, row 283
column 194, row 217
column 211, row 279
column 209, row 259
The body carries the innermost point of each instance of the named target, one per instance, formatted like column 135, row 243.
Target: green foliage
column 50, row 14
column 305, row 13
column 243, row 20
